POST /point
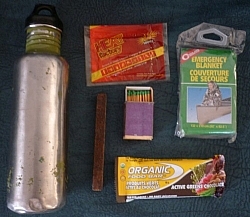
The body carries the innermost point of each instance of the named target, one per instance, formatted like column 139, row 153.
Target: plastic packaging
column 121, row 54
column 207, row 57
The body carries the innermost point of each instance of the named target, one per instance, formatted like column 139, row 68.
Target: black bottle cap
column 36, row 18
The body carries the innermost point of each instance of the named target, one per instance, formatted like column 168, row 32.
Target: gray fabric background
column 180, row 15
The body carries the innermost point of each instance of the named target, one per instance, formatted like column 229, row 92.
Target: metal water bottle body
column 37, row 176
column 37, row 165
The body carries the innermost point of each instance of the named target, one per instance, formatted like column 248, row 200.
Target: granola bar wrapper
column 143, row 178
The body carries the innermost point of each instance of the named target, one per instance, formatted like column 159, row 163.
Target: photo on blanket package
column 206, row 105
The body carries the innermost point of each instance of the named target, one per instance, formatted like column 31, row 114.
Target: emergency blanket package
column 120, row 54
column 144, row 178
column 207, row 56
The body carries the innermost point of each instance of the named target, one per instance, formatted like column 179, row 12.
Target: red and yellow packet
column 116, row 54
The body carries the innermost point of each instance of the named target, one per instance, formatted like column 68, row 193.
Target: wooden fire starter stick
column 100, row 126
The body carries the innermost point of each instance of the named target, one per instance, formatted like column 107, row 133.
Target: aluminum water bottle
column 37, row 178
